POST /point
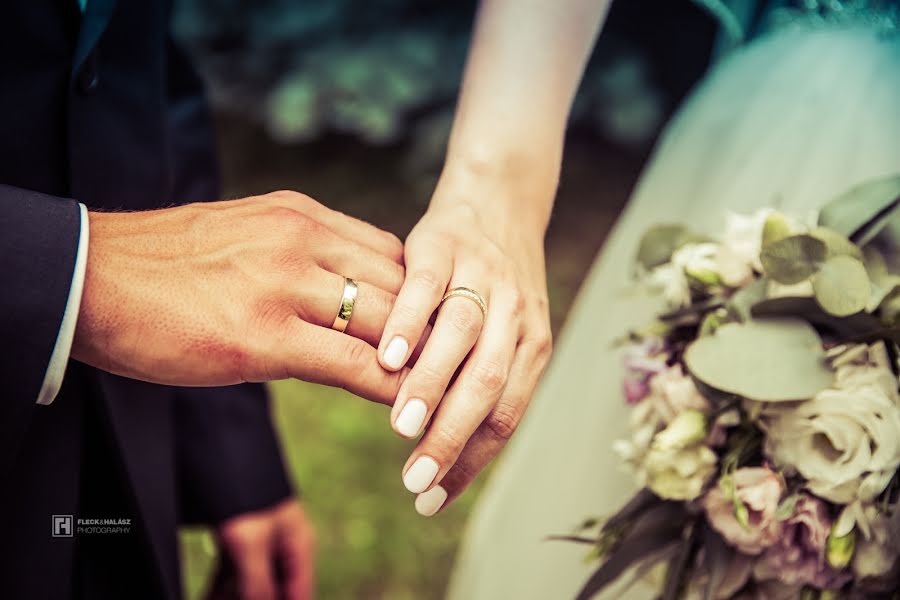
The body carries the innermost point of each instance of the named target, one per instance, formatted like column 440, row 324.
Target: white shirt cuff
column 60, row 358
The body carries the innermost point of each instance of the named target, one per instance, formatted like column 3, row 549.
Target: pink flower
column 672, row 392
column 642, row 361
column 798, row 557
column 757, row 489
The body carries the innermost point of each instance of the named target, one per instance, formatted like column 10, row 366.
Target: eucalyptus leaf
column 864, row 210
column 777, row 227
column 793, row 259
column 842, row 286
column 660, row 242
column 836, row 244
column 884, row 283
column 768, row 360
column 805, row 307
column 743, row 300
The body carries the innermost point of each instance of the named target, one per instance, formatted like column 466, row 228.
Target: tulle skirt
column 790, row 120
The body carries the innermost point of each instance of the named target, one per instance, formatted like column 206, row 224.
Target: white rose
column 744, row 233
column 877, row 553
column 678, row 464
column 671, row 393
column 845, row 440
column 679, row 474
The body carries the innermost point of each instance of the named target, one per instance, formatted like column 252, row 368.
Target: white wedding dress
column 789, row 119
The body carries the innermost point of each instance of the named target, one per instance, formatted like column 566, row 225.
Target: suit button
column 89, row 77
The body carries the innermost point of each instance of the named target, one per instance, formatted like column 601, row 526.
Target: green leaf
column 639, row 504
column 660, row 242
column 863, row 211
column 842, row 286
column 884, row 283
column 777, row 227
column 692, row 313
column 577, row 539
column 836, row 244
column 714, row 320
column 718, row 557
column 631, row 552
column 786, row 509
column 793, row 259
column 768, row 360
column 678, row 566
column 844, row 328
column 654, row 532
column 743, row 300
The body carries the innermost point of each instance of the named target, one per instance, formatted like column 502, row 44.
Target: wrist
column 505, row 194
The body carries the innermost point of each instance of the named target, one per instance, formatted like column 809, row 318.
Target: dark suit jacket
column 102, row 108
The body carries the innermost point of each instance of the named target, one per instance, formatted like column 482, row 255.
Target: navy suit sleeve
column 229, row 461
column 38, row 246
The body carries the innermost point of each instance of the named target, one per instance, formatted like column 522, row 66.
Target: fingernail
column 395, row 353
column 431, row 501
column 410, row 420
column 421, row 474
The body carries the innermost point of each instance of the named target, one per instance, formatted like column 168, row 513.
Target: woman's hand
column 476, row 374
column 246, row 290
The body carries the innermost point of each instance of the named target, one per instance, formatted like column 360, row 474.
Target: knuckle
column 279, row 215
column 543, row 343
column 394, row 242
column 517, row 302
column 503, row 421
column 426, row 380
column 298, row 199
column 293, row 223
column 462, row 473
column 427, row 279
column 447, row 442
column 465, row 319
column 355, row 352
column 491, row 376
column 240, row 541
column 290, row 260
column 406, row 315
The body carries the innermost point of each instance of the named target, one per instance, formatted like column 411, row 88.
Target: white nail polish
column 410, row 420
column 421, row 474
column 431, row 501
column 395, row 353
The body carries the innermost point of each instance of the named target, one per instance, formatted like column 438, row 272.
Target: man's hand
column 246, row 290
column 267, row 555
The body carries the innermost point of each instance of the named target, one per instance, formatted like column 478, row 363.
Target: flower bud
column 839, row 548
column 685, row 430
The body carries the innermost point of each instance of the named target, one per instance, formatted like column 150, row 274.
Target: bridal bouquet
column 765, row 420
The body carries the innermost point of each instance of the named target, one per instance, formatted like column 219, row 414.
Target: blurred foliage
column 382, row 70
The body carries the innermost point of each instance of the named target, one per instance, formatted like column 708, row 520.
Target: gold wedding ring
column 464, row 292
column 346, row 310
